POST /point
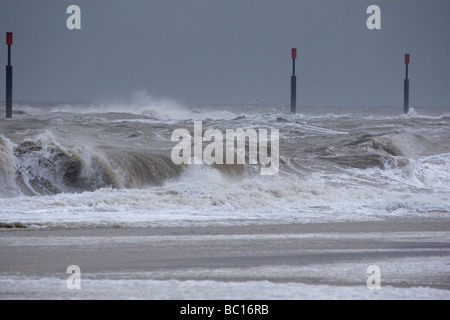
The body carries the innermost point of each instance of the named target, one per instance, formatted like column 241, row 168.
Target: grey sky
column 229, row 51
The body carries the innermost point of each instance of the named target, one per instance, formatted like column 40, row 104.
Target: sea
column 109, row 164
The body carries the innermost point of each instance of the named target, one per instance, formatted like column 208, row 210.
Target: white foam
column 203, row 195
column 54, row 288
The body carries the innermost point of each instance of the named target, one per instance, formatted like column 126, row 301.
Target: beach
column 273, row 261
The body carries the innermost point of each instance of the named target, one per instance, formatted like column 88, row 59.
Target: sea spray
column 7, row 168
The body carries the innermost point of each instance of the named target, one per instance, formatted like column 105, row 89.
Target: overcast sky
column 229, row 51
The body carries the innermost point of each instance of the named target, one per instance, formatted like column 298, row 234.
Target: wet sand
column 411, row 252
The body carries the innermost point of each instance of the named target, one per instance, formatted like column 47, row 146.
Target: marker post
column 406, row 87
column 9, row 72
column 293, row 82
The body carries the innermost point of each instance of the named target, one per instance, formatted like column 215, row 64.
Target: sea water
column 109, row 165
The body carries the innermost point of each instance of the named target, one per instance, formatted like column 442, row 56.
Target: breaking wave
column 45, row 167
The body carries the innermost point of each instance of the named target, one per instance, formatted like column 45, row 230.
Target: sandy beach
column 285, row 261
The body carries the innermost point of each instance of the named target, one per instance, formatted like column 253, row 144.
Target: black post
column 406, row 96
column 9, row 73
column 9, row 70
column 294, row 83
column 406, row 87
column 293, row 94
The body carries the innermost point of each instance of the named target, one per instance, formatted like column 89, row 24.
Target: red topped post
column 407, row 62
column 406, row 87
column 293, row 82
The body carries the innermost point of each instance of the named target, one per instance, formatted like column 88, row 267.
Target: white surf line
column 410, row 236
column 51, row 288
